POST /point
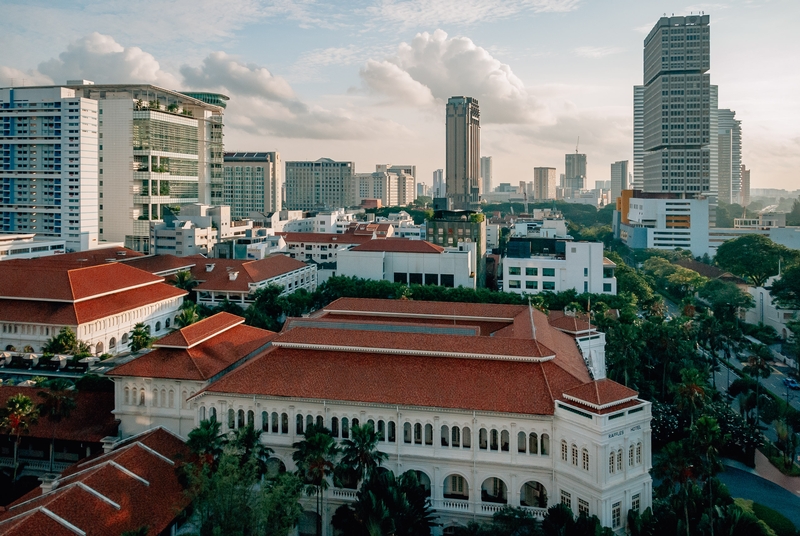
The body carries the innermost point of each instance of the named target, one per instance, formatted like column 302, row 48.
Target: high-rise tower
column 729, row 143
column 638, row 137
column 619, row 179
column 575, row 171
column 486, row 174
column 676, row 123
column 463, row 152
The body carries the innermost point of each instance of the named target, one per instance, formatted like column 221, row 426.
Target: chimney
column 233, row 275
column 49, row 482
column 109, row 442
column 209, row 267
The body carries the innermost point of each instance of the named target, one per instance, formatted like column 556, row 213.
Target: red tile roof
column 90, row 421
column 570, row 324
column 325, row 238
column 133, row 486
column 399, row 245
column 249, row 272
column 600, row 394
column 161, row 264
column 48, row 281
column 73, row 314
column 426, row 308
column 201, row 361
column 80, row 259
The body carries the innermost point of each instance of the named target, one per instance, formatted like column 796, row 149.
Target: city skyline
column 365, row 97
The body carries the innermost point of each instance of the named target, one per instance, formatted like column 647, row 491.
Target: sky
column 367, row 80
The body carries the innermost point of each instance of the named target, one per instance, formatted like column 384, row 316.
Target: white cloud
column 100, row 58
column 14, row 77
column 414, row 13
column 453, row 66
column 596, row 52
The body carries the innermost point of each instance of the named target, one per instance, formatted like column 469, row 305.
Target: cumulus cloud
column 415, row 13
column 14, row 77
column 453, row 66
column 100, row 58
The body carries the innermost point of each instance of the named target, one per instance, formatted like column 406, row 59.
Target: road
column 752, row 487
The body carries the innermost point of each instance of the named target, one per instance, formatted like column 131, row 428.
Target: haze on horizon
column 367, row 80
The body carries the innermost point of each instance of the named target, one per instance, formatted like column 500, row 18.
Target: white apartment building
column 406, row 184
column 253, row 183
column 413, row 262
column 200, row 229
column 486, row 174
column 49, row 172
column 322, row 184
column 28, row 246
column 439, row 186
column 585, row 443
column 581, row 267
column 544, row 183
column 157, row 149
column 767, row 312
column 100, row 303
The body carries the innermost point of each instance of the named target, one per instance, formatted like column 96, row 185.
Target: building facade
column 49, row 173
column 486, row 174
column 27, row 246
column 745, row 175
column 463, row 152
column 638, row 139
column 253, row 182
column 729, row 143
column 575, row 171
column 619, row 178
column 439, row 185
column 321, row 184
column 676, row 106
column 451, row 228
column 544, row 183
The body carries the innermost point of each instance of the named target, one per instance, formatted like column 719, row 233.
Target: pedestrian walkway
column 766, row 470
column 745, row 483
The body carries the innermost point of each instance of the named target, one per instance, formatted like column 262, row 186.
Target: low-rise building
column 767, row 312
column 452, row 228
column 28, row 246
column 410, row 262
column 101, row 303
column 200, row 229
column 570, row 265
column 324, row 247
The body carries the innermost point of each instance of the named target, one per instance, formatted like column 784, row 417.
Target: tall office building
column 745, row 186
column 544, row 183
column 677, row 106
column 713, row 148
column 619, row 179
column 638, row 137
column 253, row 183
column 48, row 178
column 439, row 186
column 463, row 152
column 729, row 143
column 158, row 150
column 322, row 184
column 486, row 174
column 574, row 171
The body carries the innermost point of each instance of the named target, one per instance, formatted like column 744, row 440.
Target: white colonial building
column 528, row 421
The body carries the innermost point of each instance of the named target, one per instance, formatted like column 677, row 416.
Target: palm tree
column 247, row 442
column 674, row 468
column 188, row 315
column 758, row 366
column 17, row 417
column 184, row 280
column 58, row 401
column 140, row 337
column 690, row 394
column 206, row 441
column 314, row 457
column 360, row 453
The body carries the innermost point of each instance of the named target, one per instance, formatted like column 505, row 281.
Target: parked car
column 791, row 383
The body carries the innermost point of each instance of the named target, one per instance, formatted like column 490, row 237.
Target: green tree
column 140, row 338
column 58, row 401
column 247, row 444
column 188, row 315
column 16, row 418
column 690, row 393
column 786, row 290
column 314, row 457
column 184, row 280
column 206, row 441
column 758, row 366
column 726, row 299
column 266, row 311
column 65, row 342
column 793, row 217
column 754, row 257
column 360, row 452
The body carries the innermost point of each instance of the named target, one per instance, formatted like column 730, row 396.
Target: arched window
column 371, row 424
column 127, row 396
column 284, row 423
column 345, row 428
column 574, row 455
column 466, row 435
column 275, row 423
column 158, row 326
column 202, row 413
column 299, row 424
column 335, row 426
column 455, row 435
column 164, row 398
column 564, row 451
column 141, row 397
column 231, row 419
column 112, row 343
column 445, row 436
column 354, row 422
column 124, row 339
column 184, row 397
column 320, row 421
column 429, row 434
column 545, row 445
column 533, row 443
column 505, row 440
column 638, row 453
column 407, row 432
column 251, row 418
column 171, row 398
column 166, row 323
column 418, row 434
column 619, row 460
column 611, row 463
column 392, row 431
column 155, row 398
column 213, row 413
column 630, row 456
column 483, row 441
column 381, row 431
column 522, row 442
column 264, row 421
column 494, row 440
column 309, row 420
column 585, row 458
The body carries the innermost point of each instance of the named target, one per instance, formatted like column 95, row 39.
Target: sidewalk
column 766, row 470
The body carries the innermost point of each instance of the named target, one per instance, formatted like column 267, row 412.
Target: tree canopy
column 753, row 257
column 786, row 290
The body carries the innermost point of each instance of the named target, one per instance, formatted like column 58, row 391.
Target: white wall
column 377, row 265
column 581, row 269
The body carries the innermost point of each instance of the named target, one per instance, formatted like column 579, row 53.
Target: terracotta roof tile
column 399, row 245
column 80, row 259
column 249, row 272
column 570, row 324
column 600, row 394
column 159, row 264
column 325, row 238
column 191, row 335
column 427, row 308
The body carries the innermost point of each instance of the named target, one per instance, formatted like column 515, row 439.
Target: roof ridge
column 60, row 520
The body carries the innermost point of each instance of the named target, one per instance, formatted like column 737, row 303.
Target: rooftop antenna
column 577, row 143
column 530, row 312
